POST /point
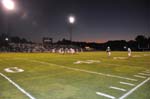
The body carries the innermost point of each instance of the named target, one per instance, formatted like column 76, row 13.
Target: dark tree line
column 5, row 40
column 140, row 43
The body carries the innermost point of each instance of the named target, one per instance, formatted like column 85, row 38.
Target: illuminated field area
column 87, row 75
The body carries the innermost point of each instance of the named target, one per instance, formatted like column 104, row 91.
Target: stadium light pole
column 8, row 5
column 71, row 22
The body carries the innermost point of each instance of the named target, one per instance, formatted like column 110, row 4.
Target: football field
column 86, row 75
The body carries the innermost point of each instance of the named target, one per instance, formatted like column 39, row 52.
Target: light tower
column 71, row 20
column 8, row 5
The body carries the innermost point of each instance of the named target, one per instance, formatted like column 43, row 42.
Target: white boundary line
column 139, row 76
column 117, row 88
column 17, row 86
column 144, row 74
column 125, row 83
column 81, row 70
column 105, row 95
column 135, row 88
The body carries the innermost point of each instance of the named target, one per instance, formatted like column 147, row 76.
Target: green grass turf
column 51, row 81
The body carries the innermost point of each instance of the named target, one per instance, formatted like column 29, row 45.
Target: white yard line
column 125, row 83
column 81, row 70
column 148, row 72
column 139, row 76
column 117, row 88
column 105, row 95
column 135, row 88
column 144, row 74
column 17, row 86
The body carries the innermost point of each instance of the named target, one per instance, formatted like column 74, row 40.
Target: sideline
column 135, row 88
column 17, row 86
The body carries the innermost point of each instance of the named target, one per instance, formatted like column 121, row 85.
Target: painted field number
column 13, row 70
column 87, row 62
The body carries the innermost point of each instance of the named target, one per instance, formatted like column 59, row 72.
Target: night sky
column 96, row 20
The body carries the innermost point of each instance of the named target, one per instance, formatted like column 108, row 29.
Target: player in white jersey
column 72, row 51
column 108, row 50
column 129, row 52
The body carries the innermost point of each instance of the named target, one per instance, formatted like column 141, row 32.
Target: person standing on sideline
column 108, row 50
column 129, row 52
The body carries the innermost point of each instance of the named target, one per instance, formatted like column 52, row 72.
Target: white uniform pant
column 129, row 54
column 109, row 53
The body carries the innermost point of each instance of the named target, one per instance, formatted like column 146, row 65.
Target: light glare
column 8, row 4
column 6, row 39
column 71, row 19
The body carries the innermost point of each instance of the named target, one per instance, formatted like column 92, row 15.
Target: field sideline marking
column 117, row 88
column 139, row 76
column 105, row 95
column 125, row 83
column 135, row 88
column 17, row 86
column 144, row 74
column 81, row 70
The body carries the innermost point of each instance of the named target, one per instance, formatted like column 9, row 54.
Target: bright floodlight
column 71, row 19
column 6, row 39
column 8, row 4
